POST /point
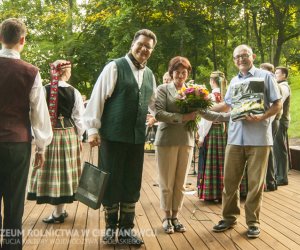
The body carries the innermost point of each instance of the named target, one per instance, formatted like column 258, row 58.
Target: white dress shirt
column 39, row 114
column 104, row 88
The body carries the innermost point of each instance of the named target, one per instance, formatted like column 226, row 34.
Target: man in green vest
column 115, row 118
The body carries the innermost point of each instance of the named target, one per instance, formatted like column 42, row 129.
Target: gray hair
column 243, row 47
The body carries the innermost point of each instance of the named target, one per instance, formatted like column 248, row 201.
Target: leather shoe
column 271, row 187
column 52, row 219
column 282, row 183
column 253, row 232
column 110, row 236
column 128, row 237
column 223, row 226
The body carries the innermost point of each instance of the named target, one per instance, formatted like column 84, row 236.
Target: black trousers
column 14, row 165
column 124, row 161
column 281, row 155
column 271, row 176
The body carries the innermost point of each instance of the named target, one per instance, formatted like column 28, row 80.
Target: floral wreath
column 53, row 99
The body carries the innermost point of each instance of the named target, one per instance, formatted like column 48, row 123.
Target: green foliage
column 293, row 130
column 204, row 31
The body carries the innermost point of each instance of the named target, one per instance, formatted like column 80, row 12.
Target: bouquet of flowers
column 193, row 97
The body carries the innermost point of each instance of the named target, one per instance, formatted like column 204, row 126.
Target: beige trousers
column 236, row 158
column 173, row 166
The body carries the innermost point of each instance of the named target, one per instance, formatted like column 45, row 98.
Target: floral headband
column 53, row 98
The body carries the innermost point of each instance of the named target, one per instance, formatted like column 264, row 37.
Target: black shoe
column 52, row 219
column 253, row 232
column 223, row 226
column 110, row 236
column 271, row 187
column 282, row 183
column 128, row 237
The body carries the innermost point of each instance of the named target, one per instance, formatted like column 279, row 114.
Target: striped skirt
column 56, row 182
column 211, row 184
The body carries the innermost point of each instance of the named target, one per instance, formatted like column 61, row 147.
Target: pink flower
column 189, row 91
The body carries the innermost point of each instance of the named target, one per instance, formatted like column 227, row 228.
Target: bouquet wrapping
column 193, row 97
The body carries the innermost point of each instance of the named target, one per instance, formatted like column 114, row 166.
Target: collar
column 172, row 88
column 282, row 81
column 135, row 62
column 63, row 84
column 9, row 53
column 250, row 73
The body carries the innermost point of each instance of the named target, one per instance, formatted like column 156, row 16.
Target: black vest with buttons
column 66, row 101
column 124, row 114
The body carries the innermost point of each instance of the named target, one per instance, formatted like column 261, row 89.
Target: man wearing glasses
column 118, row 109
column 249, row 141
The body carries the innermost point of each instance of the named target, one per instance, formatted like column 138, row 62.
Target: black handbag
column 92, row 185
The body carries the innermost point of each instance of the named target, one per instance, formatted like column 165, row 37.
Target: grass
column 294, row 129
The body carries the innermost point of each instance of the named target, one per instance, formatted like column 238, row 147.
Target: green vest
column 124, row 114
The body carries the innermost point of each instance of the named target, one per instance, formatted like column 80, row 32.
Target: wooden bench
column 295, row 157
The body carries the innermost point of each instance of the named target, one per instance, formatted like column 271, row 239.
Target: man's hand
column 254, row 118
column 94, row 140
column 39, row 160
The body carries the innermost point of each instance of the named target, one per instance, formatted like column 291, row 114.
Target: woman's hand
column 189, row 117
column 39, row 160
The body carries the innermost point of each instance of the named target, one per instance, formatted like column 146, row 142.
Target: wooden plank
column 62, row 241
column 77, row 240
column 36, row 227
column 147, row 232
column 84, row 228
column 93, row 236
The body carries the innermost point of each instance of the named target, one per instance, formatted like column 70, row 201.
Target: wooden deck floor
column 83, row 229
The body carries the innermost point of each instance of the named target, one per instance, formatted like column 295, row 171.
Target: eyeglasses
column 141, row 45
column 242, row 57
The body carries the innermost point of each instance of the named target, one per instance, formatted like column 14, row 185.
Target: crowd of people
column 124, row 98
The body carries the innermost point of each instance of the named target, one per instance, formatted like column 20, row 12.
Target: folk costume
column 214, row 136
column 118, row 109
column 22, row 105
column 57, row 181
